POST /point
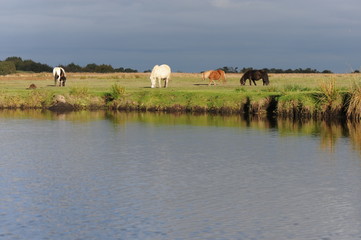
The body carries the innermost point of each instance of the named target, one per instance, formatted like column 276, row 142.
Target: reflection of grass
column 355, row 135
column 327, row 134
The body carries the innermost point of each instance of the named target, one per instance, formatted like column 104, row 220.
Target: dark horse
column 255, row 75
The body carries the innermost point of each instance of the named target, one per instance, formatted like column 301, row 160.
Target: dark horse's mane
column 253, row 76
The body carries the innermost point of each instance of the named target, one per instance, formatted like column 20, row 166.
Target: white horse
column 59, row 76
column 159, row 73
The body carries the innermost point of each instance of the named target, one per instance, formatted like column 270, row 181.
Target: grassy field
column 290, row 95
column 100, row 83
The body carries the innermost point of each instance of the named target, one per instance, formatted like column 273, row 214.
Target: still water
column 101, row 175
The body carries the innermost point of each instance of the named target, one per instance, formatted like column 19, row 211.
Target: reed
column 330, row 100
column 354, row 103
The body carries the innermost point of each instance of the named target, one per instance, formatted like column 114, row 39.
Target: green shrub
column 7, row 67
column 116, row 92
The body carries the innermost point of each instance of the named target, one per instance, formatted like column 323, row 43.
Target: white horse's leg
column 56, row 80
column 166, row 82
column 159, row 82
column 152, row 82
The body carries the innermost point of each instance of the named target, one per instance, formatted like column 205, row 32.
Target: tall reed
column 330, row 98
column 354, row 104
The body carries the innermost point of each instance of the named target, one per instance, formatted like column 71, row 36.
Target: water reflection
column 113, row 175
column 328, row 132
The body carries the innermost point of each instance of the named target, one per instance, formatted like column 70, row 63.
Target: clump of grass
column 329, row 93
column 354, row 104
column 10, row 101
column 79, row 91
column 295, row 88
column 330, row 98
column 115, row 93
column 38, row 99
column 272, row 88
column 240, row 89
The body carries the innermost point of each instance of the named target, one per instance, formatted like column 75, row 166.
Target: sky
column 188, row 35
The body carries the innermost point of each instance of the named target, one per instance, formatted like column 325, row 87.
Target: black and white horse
column 59, row 76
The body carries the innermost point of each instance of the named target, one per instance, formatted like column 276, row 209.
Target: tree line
column 13, row 64
column 273, row 70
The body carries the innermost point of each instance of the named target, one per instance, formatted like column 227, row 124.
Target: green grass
column 294, row 94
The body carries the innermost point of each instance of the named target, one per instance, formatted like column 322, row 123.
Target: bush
column 117, row 92
column 7, row 67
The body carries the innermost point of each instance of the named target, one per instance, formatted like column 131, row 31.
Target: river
column 114, row 175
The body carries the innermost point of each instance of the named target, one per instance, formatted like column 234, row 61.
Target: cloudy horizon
column 190, row 36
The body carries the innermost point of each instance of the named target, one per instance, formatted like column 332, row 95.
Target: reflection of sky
column 89, row 180
column 189, row 36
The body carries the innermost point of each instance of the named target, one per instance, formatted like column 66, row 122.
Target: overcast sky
column 188, row 35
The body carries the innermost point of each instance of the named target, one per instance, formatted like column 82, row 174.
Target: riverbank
column 321, row 96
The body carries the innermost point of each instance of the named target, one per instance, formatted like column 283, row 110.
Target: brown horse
column 205, row 74
column 217, row 75
column 254, row 75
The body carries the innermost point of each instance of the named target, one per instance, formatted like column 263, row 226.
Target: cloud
column 189, row 33
column 232, row 4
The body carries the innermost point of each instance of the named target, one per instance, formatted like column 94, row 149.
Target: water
column 98, row 175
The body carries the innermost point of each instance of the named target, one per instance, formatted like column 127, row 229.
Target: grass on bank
column 293, row 94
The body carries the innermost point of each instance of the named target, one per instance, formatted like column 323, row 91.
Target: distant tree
column 7, row 67
column 90, row 67
column 127, row 70
column 289, row 70
column 243, row 70
column 28, row 65
column 16, row 60
column 104, row 68
column 229, row 69
column 72, row 67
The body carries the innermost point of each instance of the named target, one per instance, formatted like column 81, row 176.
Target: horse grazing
column 254, row 75
column 59, row 76
column 159, row 73
column 205, row 74
column 217, row 75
